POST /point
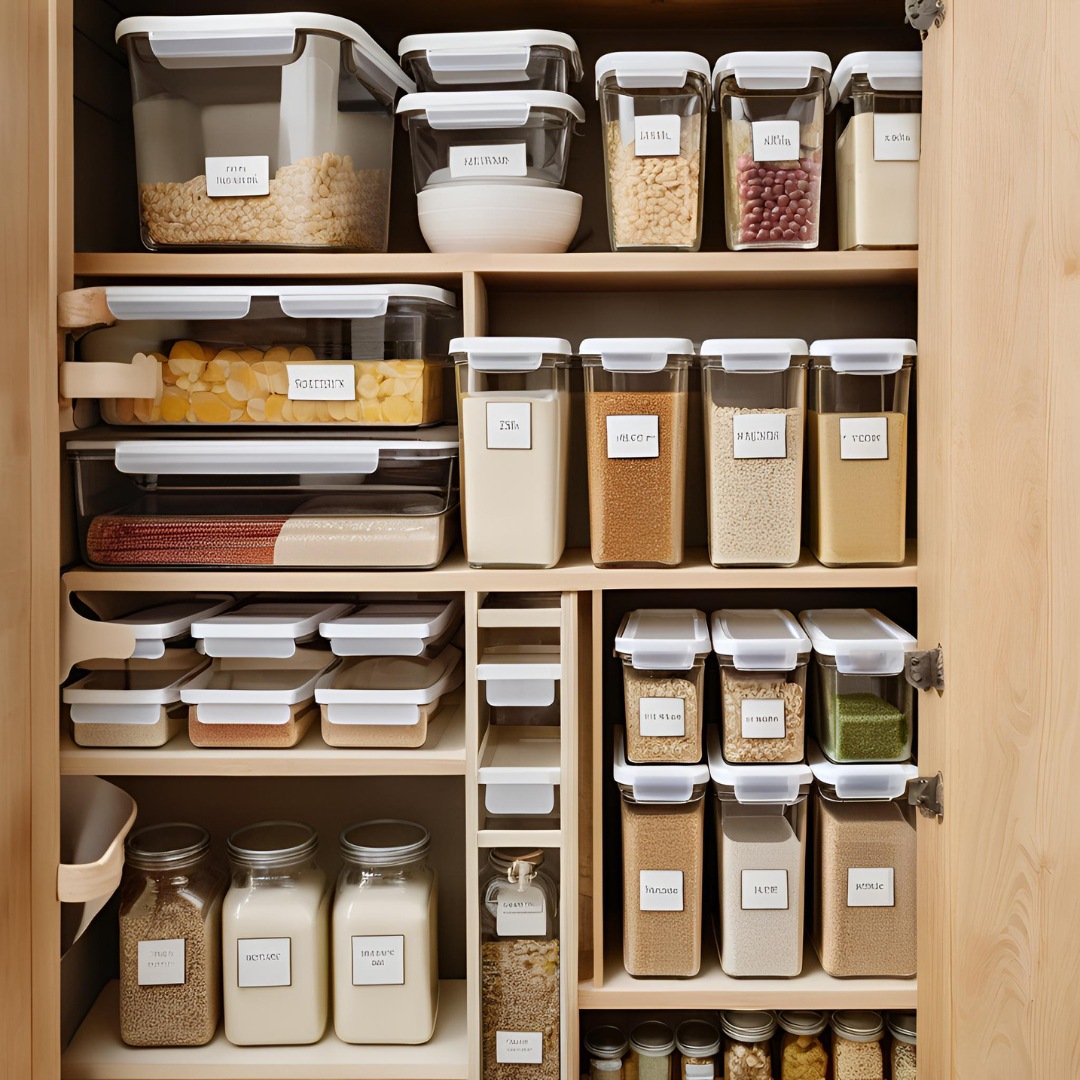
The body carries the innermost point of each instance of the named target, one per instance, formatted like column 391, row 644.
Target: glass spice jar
column 803, row 1053
column 698, row 1043
column 606, row 1047
column 748, row 1045
column 652, row 1045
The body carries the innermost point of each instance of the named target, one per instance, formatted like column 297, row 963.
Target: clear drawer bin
column 273, row 130
column 514, row 417
column 636, row 392
column 491, row 136
column 878, row 101
column 492, row 60
column 864, row 704
column 772, row 108
column 663, row 655
column 857, row 446
column 754, row 392
column 654, row 107
column 372, row 503
column 262, row 354
column 420, row 628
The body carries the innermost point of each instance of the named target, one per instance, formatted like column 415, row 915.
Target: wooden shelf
column 96, row 1052
column 518, row 838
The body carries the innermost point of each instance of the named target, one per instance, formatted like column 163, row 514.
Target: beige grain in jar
column 857, row 1049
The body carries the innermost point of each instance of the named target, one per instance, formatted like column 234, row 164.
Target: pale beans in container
column 745, row 738
column 854, row 1060
column 664, row 697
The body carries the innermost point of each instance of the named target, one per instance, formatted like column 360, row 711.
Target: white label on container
column 660, row 890
column 161, row 963
column 662, row 717
column 633, row 436
column 763, row 718
column 776, row 140
column 321, row 382
column 698, row 1072
column 378, row 960
column 237, row 176
column 506, row 160
column 657, row 136
column 264, row 961
column 760, row 435
column 519, row 1047
column 509, row 425
column 897, row 136
column 870, row 886
column 520, row 913
column 864, row 438
column 764, row 890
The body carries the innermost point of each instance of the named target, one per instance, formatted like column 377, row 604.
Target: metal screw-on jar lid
column 902, row 1026
column 858, row 1025
column 652, row 1038
column 166, row 847
column 504, row 858
column 273, row 843
column 803, row 1023
column 385, row 842
column 697, row 1038
column 751, row 1027
column 606, row 1043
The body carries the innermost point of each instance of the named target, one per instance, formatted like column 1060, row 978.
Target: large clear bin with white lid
column 754, row 393
column 272, row 130
column 857, row 449
column 514, row 418
column 663, row 838
column 654, row 107
column 399, row 628
column 760, row 818
column 260, row 354
column 763, row 656
column 264, row 628
column 663, row 653
column 376, row 503
column 878, row 101
column 864, row 704
column 492, row 60
column 636, row 392
column 772, row 109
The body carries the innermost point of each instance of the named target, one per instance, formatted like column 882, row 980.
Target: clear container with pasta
column 804, row 1045
column 748, row 1049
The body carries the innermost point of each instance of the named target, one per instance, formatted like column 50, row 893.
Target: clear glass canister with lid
column 857, row 1051
column 652, row 1046
column 385, row 935
column 275, row 936
column 698, row 1043
column 902, row 1029
column 170, row 938
column 606, row 1048
column 803, row 1045
column 748, row 1045
column 520, row 984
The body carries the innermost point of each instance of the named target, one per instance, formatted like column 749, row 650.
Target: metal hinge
column 925, row 669
column 928, row 794
column 924, row 14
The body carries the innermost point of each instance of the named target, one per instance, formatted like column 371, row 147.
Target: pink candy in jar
column 778, row 203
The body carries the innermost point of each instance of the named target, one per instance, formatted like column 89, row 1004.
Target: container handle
column 86, row 712
column 770, row 77
column 863, row 785
column 212, row 48
column 671, row 659
column 87, row 379
column 332, row 305
column 468, row 64
column 208, row 712
column 881, row 660
column 505, row 362
column 756, row 363
column 645, row 363
column 767, row 789
column 271, row 457
column 478, row 116
column 777, row 657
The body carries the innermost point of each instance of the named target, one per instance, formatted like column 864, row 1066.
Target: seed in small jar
column 857, row 1060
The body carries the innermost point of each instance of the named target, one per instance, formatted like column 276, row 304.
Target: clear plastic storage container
column 376, row 503
column 865, row 705
column 273, row 130
column 263, row 354
column 636, row 392
column 492, row 60
column 264, row 628
column 421, row 628
column 902, row 1053
column 748, row 1045
column 878, row 101
column 654, row 107
column 652, row 1048
column 772, row 107
column 857, row 444
column 754, row 392
column 858, row 1053
column 804, row 1045
column 514, row 418
column 663, row 655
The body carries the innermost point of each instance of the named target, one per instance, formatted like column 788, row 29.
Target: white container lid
column 894, row 71
column 520, row 769
column 487, row 55
column 509, row 353
column 153, row 626
column 784, row 784
column 520, row 674
column 405, row 628
column 757, row 355
column 864, row 356
column 656, row 783
column 759, row 639
column 859, row 782
column 663, row 639
column 646, row 70
column 264, row 628
column 645, row 355
column 780, row 70
column 861, row 640
column 470, row 110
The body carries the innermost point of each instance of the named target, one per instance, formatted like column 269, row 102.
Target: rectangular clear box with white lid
column 397, row 628
column 255, row 354
column 365, row 501
column 663, row 653
column 264, row 628
column 492, row 60
column 269, row 130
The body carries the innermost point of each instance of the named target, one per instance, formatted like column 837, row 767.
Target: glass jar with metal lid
column 275, row 936
column 652, row 1045
column 385, row 935
column 170, row 937
column 804, row 1052
column 857, row 1052
column 606, row 1047
column 748, row 1045
column 902, row 1029
column 698, row 1043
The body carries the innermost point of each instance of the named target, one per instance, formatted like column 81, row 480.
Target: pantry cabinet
column 990, row 574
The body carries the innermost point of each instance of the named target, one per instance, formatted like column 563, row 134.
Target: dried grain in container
column 902, row 1053
column 636, row 392
column 663, row 653
column 857, row 1048
column 420, row 628
column 878, row 101
column 663, row 827
column 698, row 1043
column 754, row 392
column 804, row 1042
column 748, row 1045
column 606, row 1048
column 857, row 448
column 772, row 107
column 271, row 130
column 514, row 418
column 652, row 1048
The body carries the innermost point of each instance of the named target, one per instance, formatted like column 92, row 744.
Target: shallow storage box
column 264, row 628
column 520, row 770
column 161, row 626
column 273, row 129
column 521, row 676
column 365, row 502
column 261, row 354
column 401, row 628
